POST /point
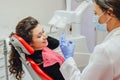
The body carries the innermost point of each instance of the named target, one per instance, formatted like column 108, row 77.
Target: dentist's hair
column 23, row 29
column 105, row 5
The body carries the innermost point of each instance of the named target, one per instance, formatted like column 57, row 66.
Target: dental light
column 62, row 18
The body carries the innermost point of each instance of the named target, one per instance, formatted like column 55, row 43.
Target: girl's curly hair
column 23, row 29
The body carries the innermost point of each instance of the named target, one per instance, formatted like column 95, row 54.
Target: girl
column 32, row 32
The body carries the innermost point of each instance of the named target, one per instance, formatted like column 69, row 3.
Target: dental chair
column 24, row 48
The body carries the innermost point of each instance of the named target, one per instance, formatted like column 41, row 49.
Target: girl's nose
column 45, row 36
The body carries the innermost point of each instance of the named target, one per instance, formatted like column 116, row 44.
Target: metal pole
column 5, row 55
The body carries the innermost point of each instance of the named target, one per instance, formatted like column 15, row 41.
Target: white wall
column 12, row 11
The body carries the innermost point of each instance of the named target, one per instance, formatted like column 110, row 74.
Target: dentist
column 104, row 63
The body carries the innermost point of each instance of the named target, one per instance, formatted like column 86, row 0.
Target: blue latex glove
column 67, row 47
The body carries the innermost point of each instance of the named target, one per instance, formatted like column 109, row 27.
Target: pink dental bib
column 51, row 57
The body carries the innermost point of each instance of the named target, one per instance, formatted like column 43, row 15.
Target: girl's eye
column 39, row 36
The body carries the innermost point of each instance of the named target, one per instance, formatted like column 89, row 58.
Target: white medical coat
column 104, row 63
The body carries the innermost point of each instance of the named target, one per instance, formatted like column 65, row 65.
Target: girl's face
column 39, row 38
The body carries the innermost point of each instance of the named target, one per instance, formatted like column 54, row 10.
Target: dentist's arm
column 69, row 68
column 67, row 47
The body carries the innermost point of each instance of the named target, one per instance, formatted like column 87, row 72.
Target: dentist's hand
column 67, row 47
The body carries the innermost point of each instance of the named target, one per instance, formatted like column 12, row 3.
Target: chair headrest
column 21, row 45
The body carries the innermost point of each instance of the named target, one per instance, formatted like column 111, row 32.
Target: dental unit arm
column 69, row 21
column 63, row 17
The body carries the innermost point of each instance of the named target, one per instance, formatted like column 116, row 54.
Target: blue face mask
column 101, row 27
